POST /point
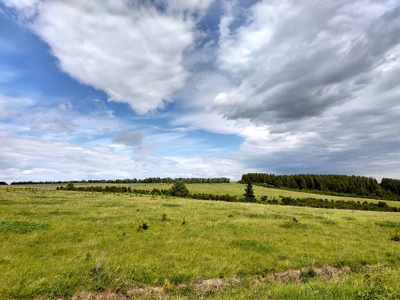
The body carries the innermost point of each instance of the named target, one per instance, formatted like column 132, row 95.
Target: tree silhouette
column 249, row 193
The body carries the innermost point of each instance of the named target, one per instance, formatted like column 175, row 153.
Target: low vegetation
column 125, row 245
column 179, row 190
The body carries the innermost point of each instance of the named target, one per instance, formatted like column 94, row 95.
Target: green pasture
column 56, row 244
column 232, row 188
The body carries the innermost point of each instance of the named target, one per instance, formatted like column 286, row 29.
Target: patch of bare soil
column 217, row 285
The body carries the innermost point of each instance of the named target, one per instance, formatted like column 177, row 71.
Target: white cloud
column 294, row 60
column 132, row 51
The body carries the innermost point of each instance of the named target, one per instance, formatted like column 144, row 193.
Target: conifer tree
column 179, row 189
column 249, row 193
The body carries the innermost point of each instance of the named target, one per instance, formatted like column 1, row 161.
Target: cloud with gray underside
column 298, row 59
column 133, row 139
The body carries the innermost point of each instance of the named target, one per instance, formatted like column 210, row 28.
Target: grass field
column 58, row 244
column 232, row 188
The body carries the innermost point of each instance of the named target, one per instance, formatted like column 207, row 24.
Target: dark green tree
column 179, row 189
column 249, row 193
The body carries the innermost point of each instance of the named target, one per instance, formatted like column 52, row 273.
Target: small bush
column 70, row 187
column 179, row 189
column 164, row 218
column 143, row 226
column 395, row 237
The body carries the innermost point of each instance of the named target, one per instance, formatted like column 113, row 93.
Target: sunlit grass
column 232, row 188
column 58, row 243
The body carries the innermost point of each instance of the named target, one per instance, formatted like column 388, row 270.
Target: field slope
column 59, row 244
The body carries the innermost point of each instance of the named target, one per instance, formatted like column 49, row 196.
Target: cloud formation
column 131, row 50
column 25, row 159
column 284, row 86
column 296, row 59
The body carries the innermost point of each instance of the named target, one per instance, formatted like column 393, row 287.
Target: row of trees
column 332, row 184
column 391, row 185
column 135, row 180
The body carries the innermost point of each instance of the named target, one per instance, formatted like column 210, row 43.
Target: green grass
column 232, row 188
column 59, row 243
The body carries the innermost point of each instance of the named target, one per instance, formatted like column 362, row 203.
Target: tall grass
column 91, row 242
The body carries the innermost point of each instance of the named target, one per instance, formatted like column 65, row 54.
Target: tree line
column 134, row 180
column 330, row 184
column 392, row 185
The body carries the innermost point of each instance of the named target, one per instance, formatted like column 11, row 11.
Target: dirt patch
column 287, row 276
column 102, row 296
column 218, row 285
column 146, row 291
column 215, row 285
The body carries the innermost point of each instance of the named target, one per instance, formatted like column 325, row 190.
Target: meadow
column 62, row 244
column 233, row 188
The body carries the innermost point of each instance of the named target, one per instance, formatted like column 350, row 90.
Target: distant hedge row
column 309, row 202
column 135, row 180
column 158, row 192
column 339, row 204
column 331, row 184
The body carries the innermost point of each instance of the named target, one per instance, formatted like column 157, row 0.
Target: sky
column 201, row 88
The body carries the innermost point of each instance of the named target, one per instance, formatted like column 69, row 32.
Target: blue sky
column 201, row 88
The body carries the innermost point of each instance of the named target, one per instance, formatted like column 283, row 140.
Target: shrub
column 143, row 226
column 179, row 189
column 395, row 237
column 70, row 187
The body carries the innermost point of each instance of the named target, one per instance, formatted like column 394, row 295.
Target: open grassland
column 232, row 188
column 59, row 243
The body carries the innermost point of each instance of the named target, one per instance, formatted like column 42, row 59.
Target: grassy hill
column 232, row 188
column 60, row 243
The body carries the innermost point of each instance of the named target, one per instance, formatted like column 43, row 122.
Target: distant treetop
column 341, row 184
column 134, row 180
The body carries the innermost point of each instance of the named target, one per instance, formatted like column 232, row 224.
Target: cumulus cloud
column 312, row 87
column 309, row 86
column 131, row 50
column 297, row 59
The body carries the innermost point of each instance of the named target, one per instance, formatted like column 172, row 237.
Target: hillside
column 61, row 243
